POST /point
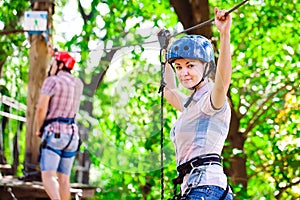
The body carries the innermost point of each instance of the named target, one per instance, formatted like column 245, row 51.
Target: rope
column 184, row 31
column 161, row 90
column 210, row 20
column 154, row 41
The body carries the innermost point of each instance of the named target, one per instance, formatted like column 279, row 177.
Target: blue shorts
column 208, row 192
column 51, row 160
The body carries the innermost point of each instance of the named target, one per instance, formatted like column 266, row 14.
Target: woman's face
column 189, row 72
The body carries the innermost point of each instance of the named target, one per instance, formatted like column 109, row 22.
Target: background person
column 56, row 109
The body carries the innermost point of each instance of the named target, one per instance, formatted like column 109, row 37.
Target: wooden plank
column 32, row 190
column 5, row 169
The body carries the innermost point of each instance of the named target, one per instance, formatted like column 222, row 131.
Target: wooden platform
column 5, row 169
column 11, row 187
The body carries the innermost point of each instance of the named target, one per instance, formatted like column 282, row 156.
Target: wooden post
column 39, row 60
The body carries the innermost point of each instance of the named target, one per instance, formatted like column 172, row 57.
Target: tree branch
column 85, row 16
column 282, row 189
column 262, row 111
column 183, row 9
column 191, row 13
column 7, row 32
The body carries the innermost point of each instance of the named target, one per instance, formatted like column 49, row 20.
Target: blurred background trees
column 120, row 110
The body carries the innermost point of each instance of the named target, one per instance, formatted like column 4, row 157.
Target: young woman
column 199, row 133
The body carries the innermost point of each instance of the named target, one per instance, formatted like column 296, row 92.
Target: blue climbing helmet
column 191, row 47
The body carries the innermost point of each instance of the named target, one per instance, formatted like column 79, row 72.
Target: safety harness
column 191, row 167
column 60, row 152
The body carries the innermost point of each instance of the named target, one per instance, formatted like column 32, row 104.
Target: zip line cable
column 5, row 32
column 210, row 20
column 154, row 41
column 184, row 31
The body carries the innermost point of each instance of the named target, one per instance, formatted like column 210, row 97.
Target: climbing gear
column 192, row 166
column 58, row 119
column 60, row 152
column 192, row 47
column 66, row 58
column 163, row 40
column 225, row 193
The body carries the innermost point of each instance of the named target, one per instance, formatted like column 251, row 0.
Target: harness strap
column 62, row 152
column 207, row 159
column 58, row 119
column 186, row 168
column 225, row 193
column 69, row 140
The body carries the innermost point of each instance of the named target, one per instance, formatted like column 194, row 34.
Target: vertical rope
column 161, row 90
column 161, row 148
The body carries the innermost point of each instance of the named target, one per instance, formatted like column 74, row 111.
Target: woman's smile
column 189, row 72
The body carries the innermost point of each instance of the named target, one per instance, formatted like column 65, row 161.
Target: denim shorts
column 208, row 192
column 52, row 161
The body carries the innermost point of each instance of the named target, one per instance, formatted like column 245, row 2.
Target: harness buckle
column 56, row 135
column 192, row 164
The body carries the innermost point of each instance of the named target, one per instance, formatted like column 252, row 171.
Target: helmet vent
column 176, row 48
column 186, row 48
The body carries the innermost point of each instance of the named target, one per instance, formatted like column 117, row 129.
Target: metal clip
column 163, row 38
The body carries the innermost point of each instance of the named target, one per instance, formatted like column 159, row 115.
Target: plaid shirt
column 64, row 91
column 201, row 130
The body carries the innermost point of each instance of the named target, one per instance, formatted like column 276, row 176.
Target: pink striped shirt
column 64, row 91
column 202, row 130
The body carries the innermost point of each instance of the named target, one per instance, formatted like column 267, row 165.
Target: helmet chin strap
column 205, row 74
column 195, row 86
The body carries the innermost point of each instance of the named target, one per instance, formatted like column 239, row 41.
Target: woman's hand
column 222, row 22
column 38, row 133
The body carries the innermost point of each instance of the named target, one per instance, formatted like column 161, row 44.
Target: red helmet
column 66, row 58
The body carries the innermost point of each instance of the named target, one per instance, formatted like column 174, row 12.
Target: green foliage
column 13, row 70
column 124, row 124
column 265, row 69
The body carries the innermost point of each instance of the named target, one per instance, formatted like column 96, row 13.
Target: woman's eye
column 178, row 67
column 190, row 66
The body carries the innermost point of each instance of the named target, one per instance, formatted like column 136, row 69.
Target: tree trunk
column 191, row 13
column 39, row 59
column 237, row 170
